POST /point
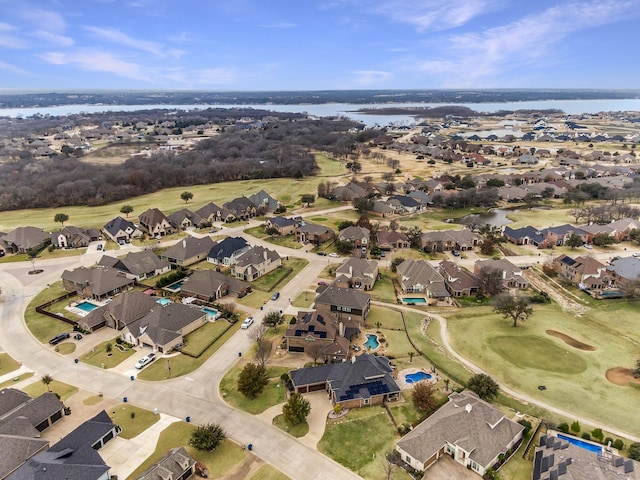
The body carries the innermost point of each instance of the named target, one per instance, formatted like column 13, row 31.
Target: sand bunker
column 571, row 341
column 621, row 376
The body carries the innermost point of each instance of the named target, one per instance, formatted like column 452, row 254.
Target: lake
column 495, row 217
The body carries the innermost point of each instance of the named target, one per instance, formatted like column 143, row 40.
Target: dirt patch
column 571, row 341
column 621, row 376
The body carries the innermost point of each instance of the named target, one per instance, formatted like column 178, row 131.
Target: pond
column 496, row 217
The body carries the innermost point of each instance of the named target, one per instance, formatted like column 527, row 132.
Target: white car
column 247, row 323
column 146, row 360
column 334, row 255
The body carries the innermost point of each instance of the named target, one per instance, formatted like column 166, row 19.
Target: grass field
column 299, row 430
column 13, row 381
column 37, row 388
column 133, row 420
column 195, row 342
column 100, row 358
column 267, row 472
column 41, row 326
column 7, row 364
column 273, row 394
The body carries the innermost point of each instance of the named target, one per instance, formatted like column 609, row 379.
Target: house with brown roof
column 74, row 237
column 357, row 273
column 188, row 251
column 346, row 304
column 122, row 310
column 155, row 223
column 391, row 240
column 418, row 276
column 210, row 285
column 459, row 282
column 313, row 233
column 512, row 275
column 137, row 265
column 96, row 282
column 185, row 218
column 121, row 231
column 175, row 465
column 358, row 236
column 448, row 240
column 320, row 335
column 164, row 327
column 213, row 213
column 470, row 430
column 255, row 262
column 241, row 208
column 23, row 239
column 585, row 272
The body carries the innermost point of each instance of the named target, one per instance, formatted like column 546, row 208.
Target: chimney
column 264, row 254
column 341, row 329
column 184, row 243
column 467, row 408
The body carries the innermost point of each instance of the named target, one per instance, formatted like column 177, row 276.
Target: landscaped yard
column 7, row 364
column 383, row 290
column 196, row 342
column 280, row 276
column 299, row 430
column 99, row 357
column 272, row 395
column 304, row 299
column 37, row 388
column 133, row 420
column 42, row 327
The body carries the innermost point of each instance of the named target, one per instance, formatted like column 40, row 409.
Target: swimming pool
column 86, row 306
column 175, row 286
column 581, row 443
column 211, row 312
column 372, row 342
column 417, row 377
column 163, row 301
column 413, row 300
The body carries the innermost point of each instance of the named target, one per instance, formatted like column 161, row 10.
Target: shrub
column 608, row 441
column 619, row 444
column 597, row 434
column 586, row 436
column 634, row 451
column 526, row 424
column 575, row 427
column 207, row 437
column 563, row 427
column 252, row 380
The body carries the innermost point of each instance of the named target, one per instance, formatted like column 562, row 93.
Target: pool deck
column 404, row 385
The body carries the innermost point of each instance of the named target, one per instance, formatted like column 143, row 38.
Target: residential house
column 164, row 327
column 523, row 236
column 459, row 282
column 137, row 265
column 321, row 335
column 357, row 273
column 365, row 380
column 585, row 272
column 255, row 262
column 175, row 465
column 448, row 240
column 188, row 251
column 558, row 236
column 185, row 218
column 512, row 194
column 19, row 441
column 41, row 412
column 346, row 304
column 121, row 231
column 213, row 213
column 122, row 310
column 526, row 159
column 241, row 208
column 390, row 240
column 23, row 239
column 227, row 251
column 558, row 459
column 74, row 237
column 405, row 204
column 512, row 276
column 383, row 208
column 75, row 455
column 209, row 285
column 155, row 223
column 418, row 276
column 351, row 191
column 470, row 430
column 96, row 282
column 314, row 234
column 358, row 236
column 284, row 226
column 264, row 202
column 627, row 269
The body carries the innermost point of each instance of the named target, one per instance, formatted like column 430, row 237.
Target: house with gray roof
column 357, row 273
column 19, row 441
column 627, row 268
column 165, row 326
column 121, row 231
column 255, row 262
column 359, row 236
column 175, row 465
column 365, row 380
column 262, row 200
column 284, row 226
column 207, row 285
column 75, row 237
column 448, row 240
column 23, row 239
column 557, row 459
column 96, row 282
column 227, row 251
column 345, row 303
column 155, row 223
column 122, row 310
column 185, row 218
column 321, row 336
column 512, row 275
column 188, row 251
column 137, row 265
column 241, row 208
column 418, row 276
column 41, row 412
column 314, row 233
column 468, row 429
column 213, row 213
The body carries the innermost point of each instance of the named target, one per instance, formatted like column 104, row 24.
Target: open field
column 37, row 388
column 133, row 420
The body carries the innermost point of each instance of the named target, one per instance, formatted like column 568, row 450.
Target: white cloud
column 279, row 25
column 371, row 78
column 98, row 61
column 44, row 19
column 432, row 14
column 11, row 68
column 532, row 40
column 53, row 38
column 121, row 38
column 8, row 39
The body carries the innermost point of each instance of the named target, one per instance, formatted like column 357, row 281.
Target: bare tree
column 263, row 352
column 258, row 332
column 388, row 464
column 314, row 350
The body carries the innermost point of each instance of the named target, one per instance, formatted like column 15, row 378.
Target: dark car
column 59, row 338
column 322, row 254
column 275, row 296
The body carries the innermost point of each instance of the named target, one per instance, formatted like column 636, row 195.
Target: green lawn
column 37, row 388
column 304, row 299
column 526, row 351
column 299, row 430
column 280, row 276
column 99, row 357
column 197, row 341
column 66, row 348
column 272, row 395
column 42, row 327
column 388, row 318
column 267, row 472
column 288, row 241
column 7, row 364
column 16, row 379
column 255, row 299
column 133, row 420
column 183, row 364
column 383, row 290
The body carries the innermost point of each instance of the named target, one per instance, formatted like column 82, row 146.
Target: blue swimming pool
column 414, row 300
column 417, row 377
column 581, row 443
column 86, row 306
column 211, row 312
column 163, row 301
column 175, row 286
column 372, row 342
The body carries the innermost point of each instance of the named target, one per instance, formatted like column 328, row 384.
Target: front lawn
column 384, row 290
column 273, row 394
column 42, row 327
column 15, row 380
column 299, row 430
column 267, row 472
column 304, row 299
column 133, row 420
column 280, row 276
column 98, row 357
column 64, row 390
column 7, row 364
column 196, row 342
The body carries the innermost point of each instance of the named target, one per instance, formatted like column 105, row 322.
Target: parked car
column 99, row 246
column 59, row 338
column 322, row 254
column 146, row 360
column 334, row 255
column 77, row 336
column 275, row 296
column 455, row 253
column 247, row 323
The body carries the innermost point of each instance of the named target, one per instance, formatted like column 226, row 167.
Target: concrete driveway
column 446, row 468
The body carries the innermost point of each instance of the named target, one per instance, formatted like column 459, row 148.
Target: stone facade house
column 155, row 223
column 98, row 282
column 419, row 277
column 357, row 273
column 346, row 304
column 121, row 231
column 188, row 251
column 512, row 275
column 255, row 262
column 315, row 234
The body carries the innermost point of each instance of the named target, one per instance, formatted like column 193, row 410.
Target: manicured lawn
column 257, row 232
column 388, row 318
column 7, row 364
column 99, row 357
column 526, row 356
column 397, row 344
column 541, row 217
column 43, row 255
column 133, row 420
column 267, row 472
column 42, row 327
column 195, row 342
column 93, row 400
column 286, row 241
column 406, row 412
column 255, row 299
column 273, row 394
column 304, row 299
column 280, row 276
column 299, row 430
column 8, row 383
column 223, row 459
column 37, row 388
column 383, row 290
column 66, row 348
column 183, row 364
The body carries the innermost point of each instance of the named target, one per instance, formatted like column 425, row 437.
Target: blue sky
column 316, row 45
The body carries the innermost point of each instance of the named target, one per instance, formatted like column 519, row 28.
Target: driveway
column 446, row 468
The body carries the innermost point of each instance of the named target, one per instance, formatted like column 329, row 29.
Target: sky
column 226, row 45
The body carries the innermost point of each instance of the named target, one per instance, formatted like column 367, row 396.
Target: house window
column 365, row 401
